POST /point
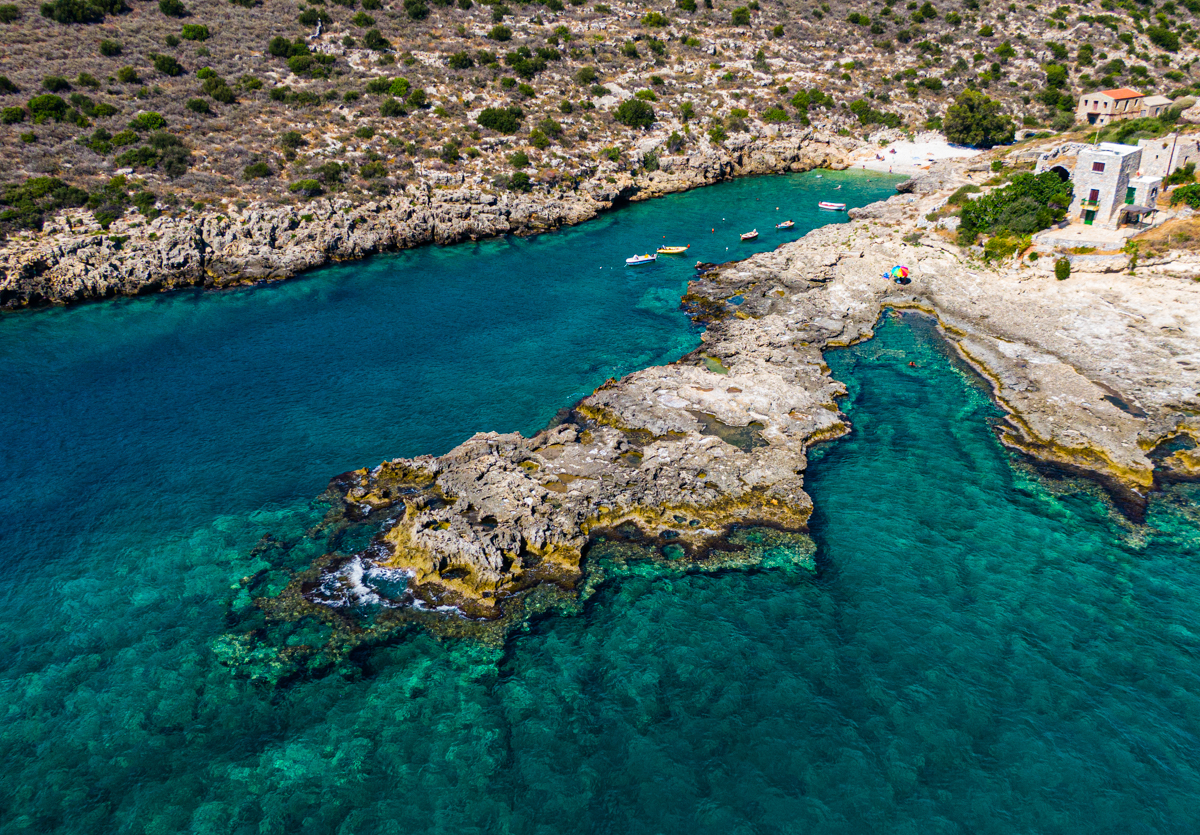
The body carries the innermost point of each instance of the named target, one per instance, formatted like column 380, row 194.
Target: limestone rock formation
column 267, row 243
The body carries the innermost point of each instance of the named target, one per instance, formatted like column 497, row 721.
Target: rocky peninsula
column 1096, row 374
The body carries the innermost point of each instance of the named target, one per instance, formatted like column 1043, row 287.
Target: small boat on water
column 749, row 236
column 673, row 250
column 833, row 207
column 641, row 259
column 787, row 224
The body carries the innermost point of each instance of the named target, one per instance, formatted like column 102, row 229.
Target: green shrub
column 306, row 188
column 461, row 61
column 7, row 87
column 519, row 159
column 587, row 75
column 292, row 140
column 629, row 50
column 172, row 8
column 128, row 75
column 868, row 115
column 418, row 99
column 740, row 16
column 962, row 195
column 450, row 153
column 520, row 181
column 500, row 33
column 634, row 113
column 148, row 121
column 312, row 16
column 300, row 64
column 166, row 65
column 122, row 138
column 391, row 107
column 82, row 11
column 416, row 9
column 55, row 83
column 1189, row 195
column 654, row 19
column 372, row 5
column 9, row 12
column 1062, row 269
column 774, row 114
column 505, row 120
column 199, row 106
column 47, row 106
column 1028, row 204
column 86, row 79
column 365, row 132
column 374, row 40
column 1163, row 38
column 686, row 5
column 29, row 203
column 363, row 20
column 12, row 115
column 194, row 32
column 372, row 170
column 1186, row 174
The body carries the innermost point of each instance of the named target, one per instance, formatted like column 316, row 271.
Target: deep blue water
column 979, row 651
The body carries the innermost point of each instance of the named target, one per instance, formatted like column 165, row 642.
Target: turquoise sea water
column 979, row 651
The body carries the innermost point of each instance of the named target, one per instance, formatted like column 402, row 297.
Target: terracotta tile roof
column 1121, row 93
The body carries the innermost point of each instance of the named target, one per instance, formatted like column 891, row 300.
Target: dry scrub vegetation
column 280, row 101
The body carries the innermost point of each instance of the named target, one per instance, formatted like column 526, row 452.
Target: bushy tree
column 172, row 8
column 1163, row 38
column 634, row 113
column 9, row 12
column 166, row 65
column 82, row 11
column 148, row 121
column 47, row 106
column 375, row 40
column 461, row 61
column 194, row 32
column 976, row 120
column 416, row 9
column 740, row 16
column 502, row 119
column 1026, row 205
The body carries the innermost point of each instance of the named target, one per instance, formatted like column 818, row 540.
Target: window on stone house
column 1098, row 166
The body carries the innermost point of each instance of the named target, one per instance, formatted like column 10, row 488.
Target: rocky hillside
column 128, row 107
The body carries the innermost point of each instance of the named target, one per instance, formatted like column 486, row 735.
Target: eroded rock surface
column 1097, row 373
column 76, row 261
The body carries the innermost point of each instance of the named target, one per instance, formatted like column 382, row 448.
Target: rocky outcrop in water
column 1097, row 374
column 78, row 261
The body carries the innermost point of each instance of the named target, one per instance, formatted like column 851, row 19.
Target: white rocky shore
column 77, row 261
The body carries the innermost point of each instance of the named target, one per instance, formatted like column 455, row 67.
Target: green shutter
column 1129, row 192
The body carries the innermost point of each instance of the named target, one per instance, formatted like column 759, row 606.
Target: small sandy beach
column 908, row 157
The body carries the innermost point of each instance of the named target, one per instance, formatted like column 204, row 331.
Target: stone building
column 1162, row 156
column 1106, row 106
column 1155, row 106
column 1108, row 188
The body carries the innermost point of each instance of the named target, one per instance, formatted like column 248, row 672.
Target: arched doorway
column 1063, row 173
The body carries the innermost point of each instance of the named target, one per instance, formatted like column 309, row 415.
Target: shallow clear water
column 978, row 652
